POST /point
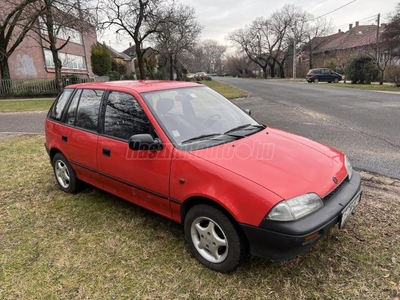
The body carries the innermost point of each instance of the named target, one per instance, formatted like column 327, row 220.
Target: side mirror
column 144, row 142
column 247, row 111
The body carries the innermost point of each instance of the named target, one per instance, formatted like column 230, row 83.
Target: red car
column 185, row 152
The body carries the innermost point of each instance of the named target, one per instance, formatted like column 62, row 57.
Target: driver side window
column 124, row 116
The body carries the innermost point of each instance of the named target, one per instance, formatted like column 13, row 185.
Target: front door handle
column 106, row 152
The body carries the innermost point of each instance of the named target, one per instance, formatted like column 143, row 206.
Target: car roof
column 139, row 86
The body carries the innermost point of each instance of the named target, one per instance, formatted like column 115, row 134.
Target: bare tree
column 16, row 19
column 251, row 42
column 315, row 35
column 213, row 54
column 177, row 33
column 138, row 19
column 60, row 20
column 266, row 41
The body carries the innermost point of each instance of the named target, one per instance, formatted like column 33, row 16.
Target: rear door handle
column 64, row 138
column 106, row 152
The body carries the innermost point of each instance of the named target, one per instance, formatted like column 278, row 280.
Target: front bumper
column 284, row 240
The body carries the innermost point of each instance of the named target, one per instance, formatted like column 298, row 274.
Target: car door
column 140, row 176
column 79, row 137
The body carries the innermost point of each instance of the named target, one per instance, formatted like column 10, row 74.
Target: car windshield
column 197, row 117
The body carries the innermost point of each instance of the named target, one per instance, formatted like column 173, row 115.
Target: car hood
column 284, row 163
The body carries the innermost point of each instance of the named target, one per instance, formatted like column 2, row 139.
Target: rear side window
column 71, row 115
column 59, row 106
column 87, row 114
column 124, row 116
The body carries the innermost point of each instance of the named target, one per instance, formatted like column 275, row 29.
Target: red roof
column 359, row 36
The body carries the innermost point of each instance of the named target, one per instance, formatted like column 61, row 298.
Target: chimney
column 357, row 23
column 130, row 44
column 340, row 30
column 104, row 43
column 350, row 26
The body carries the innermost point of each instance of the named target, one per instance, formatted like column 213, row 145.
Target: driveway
column 363, row 124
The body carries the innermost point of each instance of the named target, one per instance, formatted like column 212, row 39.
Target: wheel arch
column 196, row 200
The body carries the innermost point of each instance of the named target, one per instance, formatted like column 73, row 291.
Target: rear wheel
column 65, row 175
column 213, row 238
column 336, row 80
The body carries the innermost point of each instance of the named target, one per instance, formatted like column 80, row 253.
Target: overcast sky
column 220, row 17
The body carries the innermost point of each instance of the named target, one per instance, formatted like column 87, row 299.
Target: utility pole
column 294, row 58
column 377, row 39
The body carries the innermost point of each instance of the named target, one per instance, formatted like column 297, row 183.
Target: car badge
column 335, row 180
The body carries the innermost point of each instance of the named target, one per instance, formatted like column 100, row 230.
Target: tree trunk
column 171, row 67
column 4, row 68
column 140, row 60
column 57, row 69
column 282, row 68
column 272, row 68
column 264, row 68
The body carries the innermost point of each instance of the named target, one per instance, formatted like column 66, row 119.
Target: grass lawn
column 26, row 105
column 224, row 89
column 372, row 87
column 92, row 245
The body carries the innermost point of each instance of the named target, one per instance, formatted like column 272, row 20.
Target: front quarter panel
column 246, row 201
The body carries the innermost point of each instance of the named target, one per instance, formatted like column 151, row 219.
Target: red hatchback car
column 187, row 153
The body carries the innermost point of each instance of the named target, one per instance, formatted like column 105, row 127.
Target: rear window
column 58, row 107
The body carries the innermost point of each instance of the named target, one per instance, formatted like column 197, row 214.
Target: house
column 121, row 58
column 337, row 48
column 31, row 59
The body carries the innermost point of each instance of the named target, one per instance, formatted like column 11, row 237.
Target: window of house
column 63, row 33
column 88, row 109
column 59, row 105
column 68, row 61
column 124, row 116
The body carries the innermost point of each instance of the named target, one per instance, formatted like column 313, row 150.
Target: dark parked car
column 323, row 75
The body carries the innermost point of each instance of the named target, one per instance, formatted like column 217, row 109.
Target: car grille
column 334, row 191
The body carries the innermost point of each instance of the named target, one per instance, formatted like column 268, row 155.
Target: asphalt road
column 363, row 124
column 21, row 123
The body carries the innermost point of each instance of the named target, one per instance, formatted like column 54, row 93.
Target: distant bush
column 361, row 69
column 100, row 59
column 393, row 75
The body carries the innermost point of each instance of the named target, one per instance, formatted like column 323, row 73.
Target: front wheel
column 65, row 175
column 316, row 80
column 213, row 238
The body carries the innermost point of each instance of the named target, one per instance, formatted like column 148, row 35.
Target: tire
column 336, row 80
column 316, row 80
column 214, row 239
column 65, row 175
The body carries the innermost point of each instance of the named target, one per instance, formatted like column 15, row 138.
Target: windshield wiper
column 243, row 127
column 200, row 137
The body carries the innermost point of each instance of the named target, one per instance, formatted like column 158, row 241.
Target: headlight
column 295, row 208
column 349, row 167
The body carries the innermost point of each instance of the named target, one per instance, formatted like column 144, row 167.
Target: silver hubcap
column 62, row 174
column 209, row 239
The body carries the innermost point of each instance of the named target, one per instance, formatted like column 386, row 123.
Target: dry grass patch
column 224, row 89
column 95, row 246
